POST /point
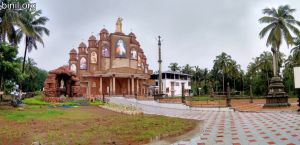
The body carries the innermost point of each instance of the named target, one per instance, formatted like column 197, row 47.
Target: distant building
column 172, row 83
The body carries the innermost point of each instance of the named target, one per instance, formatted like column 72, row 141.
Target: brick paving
column 234, row 128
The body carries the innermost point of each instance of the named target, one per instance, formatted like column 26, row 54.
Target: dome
column 92, row 37
column 82, row 45
column 103, row 31
column 73, row 51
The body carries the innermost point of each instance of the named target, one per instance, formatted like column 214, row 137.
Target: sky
column 193, row 31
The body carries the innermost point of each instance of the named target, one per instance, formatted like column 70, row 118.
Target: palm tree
column 33, row 30
column 197, row 77
column 280, row 25
column 174, row 67
column 222, row 63
column 187, row 69
column 30, row 66
column 296, row 50
column 265, row 63
column 234, row 70
column 9, row 19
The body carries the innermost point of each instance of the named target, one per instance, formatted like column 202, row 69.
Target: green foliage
column 36, row 100
column 10, row 72
column 198, row 98
column 225, row 70
column 174, row 67
column 27, row 114
column 35, row 77
column 96, row 103
column 288, row 73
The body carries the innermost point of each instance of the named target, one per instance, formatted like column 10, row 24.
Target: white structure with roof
column 172, row 83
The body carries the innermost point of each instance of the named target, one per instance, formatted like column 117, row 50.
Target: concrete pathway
column 230, row 128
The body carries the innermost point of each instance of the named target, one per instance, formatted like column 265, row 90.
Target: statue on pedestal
column 119, row 25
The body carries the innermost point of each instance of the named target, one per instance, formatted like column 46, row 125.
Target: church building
column 109, row 64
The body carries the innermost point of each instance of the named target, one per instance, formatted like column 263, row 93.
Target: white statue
column 62, row 84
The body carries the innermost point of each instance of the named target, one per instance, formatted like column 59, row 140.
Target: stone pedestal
column 276, row 96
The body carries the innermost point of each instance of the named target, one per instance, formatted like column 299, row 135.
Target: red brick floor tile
column 266, row 137
column 271, row 142
column 284, row 138
column 294, row 135
column 236, row 144
column 219, row 141
column 200, row 143
column 252, row 140
column 290, row 144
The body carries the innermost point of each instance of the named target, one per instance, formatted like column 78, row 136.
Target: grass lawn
column 199, row 98
column 84, row 125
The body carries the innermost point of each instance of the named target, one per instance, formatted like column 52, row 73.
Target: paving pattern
column 234, row 128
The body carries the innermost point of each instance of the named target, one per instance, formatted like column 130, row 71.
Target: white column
column 128, row 86
column 137, row 86
column 132, row 86
column 100, row 86
column 110, row 85
column 114, row 85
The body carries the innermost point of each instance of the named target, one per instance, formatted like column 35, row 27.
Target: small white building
column 172, row 83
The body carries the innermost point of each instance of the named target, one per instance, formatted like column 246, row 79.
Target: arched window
column 93, row 57
column 83, row 63
column 120, row 48
column 133, row 54
column 73, row 68
column 105, row 51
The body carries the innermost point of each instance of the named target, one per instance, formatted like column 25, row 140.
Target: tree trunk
column 25, row 53
column 234, row 84
column 274, row 65
column 1, row 81
column 223, row 83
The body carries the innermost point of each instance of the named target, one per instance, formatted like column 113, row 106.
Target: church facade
column 113, row 64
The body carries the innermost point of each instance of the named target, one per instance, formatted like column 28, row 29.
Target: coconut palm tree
column 9, row 19
column 280, row 25
column 296, row 50
column 222, row 63
column 33, row 30
column 187, row 69
column 174, row 67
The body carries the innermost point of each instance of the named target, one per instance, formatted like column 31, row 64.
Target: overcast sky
column 194, row 31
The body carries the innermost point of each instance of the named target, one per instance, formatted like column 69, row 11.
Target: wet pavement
column 226, row 127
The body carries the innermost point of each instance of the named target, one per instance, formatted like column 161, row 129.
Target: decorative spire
column 119, row 25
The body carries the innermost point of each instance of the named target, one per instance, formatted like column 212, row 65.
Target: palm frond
column 268, row 19
column 264, row 31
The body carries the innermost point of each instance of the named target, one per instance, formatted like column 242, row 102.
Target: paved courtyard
column 226, row 127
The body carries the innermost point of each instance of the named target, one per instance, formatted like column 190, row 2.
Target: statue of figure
column 62, row 84
column 119, row 25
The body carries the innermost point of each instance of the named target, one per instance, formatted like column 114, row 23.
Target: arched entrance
column 62, row 82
